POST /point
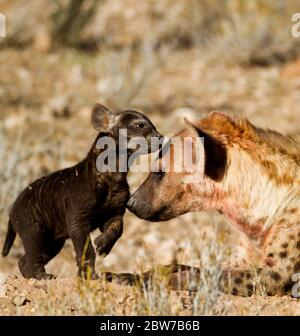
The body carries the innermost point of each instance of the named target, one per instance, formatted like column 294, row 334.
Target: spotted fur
column 258, row 190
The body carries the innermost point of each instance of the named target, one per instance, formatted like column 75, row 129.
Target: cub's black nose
column 131, row 203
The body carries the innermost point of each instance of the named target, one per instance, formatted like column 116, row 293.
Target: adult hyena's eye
column 159, row 176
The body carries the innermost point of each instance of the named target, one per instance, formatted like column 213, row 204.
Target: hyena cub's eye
column 139, row 125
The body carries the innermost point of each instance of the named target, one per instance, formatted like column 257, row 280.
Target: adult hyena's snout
column 139, row 207
column 131, row 204
column 143, row 204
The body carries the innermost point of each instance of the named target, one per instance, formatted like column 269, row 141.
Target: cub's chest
column 113, row 205
column 117, row 199
column 114, row 200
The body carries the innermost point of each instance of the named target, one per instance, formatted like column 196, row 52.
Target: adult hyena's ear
column 212, row 154
column 103, row 119
column 198, row 150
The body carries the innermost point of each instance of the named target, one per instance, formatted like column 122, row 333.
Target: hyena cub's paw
column 30, row 272
column 102, row 246
column 44, row 276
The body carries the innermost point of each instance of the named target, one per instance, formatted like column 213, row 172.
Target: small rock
column 20, row 300
column 122, row 299
column 59, row 107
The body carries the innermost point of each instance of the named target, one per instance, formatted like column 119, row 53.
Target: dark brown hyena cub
column 72, row 202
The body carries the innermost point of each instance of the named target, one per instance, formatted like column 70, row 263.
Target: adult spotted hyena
column 250, row 175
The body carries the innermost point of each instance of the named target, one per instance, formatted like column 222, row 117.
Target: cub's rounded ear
column 103, row 119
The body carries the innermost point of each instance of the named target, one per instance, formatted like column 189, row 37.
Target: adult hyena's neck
column 258, row 227
column 255, row 201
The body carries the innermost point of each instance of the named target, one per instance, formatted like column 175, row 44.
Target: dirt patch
column 69, row 296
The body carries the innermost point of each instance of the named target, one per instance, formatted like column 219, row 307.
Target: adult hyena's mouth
column 163, row 214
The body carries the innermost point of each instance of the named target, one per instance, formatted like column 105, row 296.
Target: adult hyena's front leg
column 260, row 281
column 281, row 253
column 279, row 261
column 174, row 276
column 183, row 277
column 241, row 282
column 112, row 231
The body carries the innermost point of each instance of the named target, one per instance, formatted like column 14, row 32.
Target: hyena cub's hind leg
column 39, row 250
column 29, row 272
column 32, row 267
column 52, row 248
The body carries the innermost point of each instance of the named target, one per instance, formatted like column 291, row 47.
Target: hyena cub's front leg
column 111, row 232
column 85, row 253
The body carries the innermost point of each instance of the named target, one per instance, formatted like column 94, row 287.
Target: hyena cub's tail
column 9, row 240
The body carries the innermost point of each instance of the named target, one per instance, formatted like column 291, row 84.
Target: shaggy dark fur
column 72, row 202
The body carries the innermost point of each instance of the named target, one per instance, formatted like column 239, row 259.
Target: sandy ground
column 65, row 296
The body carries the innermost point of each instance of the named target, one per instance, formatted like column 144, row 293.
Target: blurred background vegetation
column 123, row 42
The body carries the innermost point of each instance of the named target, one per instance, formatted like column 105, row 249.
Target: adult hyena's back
column 277, row 158
column 263, row 180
